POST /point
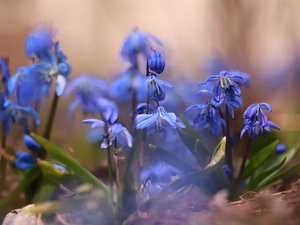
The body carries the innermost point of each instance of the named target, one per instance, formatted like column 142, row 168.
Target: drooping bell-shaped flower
column 256, row 120
column 13, row 113
column 39, row 41
column 131, row 82
column 137, row 42
column 88, row 92
column 114, row 132
column 156, row 90
column 159, row 119
column 208, row 116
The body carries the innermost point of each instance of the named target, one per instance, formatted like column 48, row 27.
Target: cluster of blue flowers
column 150, row 115
column 48, row 62
column 225, row 92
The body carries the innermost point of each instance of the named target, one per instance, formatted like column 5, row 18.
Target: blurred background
column 201, row 37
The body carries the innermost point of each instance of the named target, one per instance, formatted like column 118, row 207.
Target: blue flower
column 157, row 177
column 39, row 41
column 256, row 120
column 88, row 92
column 24, row 160
column 208, row 116
column 226, row 89
column 137, row 42
column 155, row 88
column 31, row 143
column 4, row 69
column 141, row 109
column 156, row 62
column 59, row 53
column 115, row 132
column 255, row 113
column 158, row 120
column 13, row 113
column 132, row 81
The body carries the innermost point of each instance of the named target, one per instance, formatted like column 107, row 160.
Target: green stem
column 109, row 164
column 245, row 157
column 47, row 187
column 143, row 141
column 50, row 120
column 3, row 161
column 228, row 152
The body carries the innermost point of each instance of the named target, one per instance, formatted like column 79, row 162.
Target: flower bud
column 31, row 143
column 24, row 160
column 156, row 62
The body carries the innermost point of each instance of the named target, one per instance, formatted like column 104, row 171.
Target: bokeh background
column 201, row 37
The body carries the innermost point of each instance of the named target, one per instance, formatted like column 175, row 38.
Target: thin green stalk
column 143, row 140
column 109, row 165
column 228, row 151
column 245, row 157
column 3, row 161
column 50, row 119
column 47, row 187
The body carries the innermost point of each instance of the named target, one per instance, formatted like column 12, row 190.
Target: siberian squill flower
column 158, row 120
column 4, row 69
column 115, row 131
column 141, row 109
column 208, row 116
column 256, row 120
column 132, row 81
column 88, row 92
column 27, row 86
column 40, row 41
column 156, row 90
column 137, row 42
column 13, row 113
column 226, row 89
column 157, row 177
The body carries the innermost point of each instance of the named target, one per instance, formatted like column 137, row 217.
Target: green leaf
column 294, row 170
column 201, row 153
column 260, row 179
column 72, row 164
column 189, row 129
column 258, row 159
column 276, row 158
column 45, row 190
column 32, row 174
column 219, row 152
column 172, row 159
column 187, row 140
